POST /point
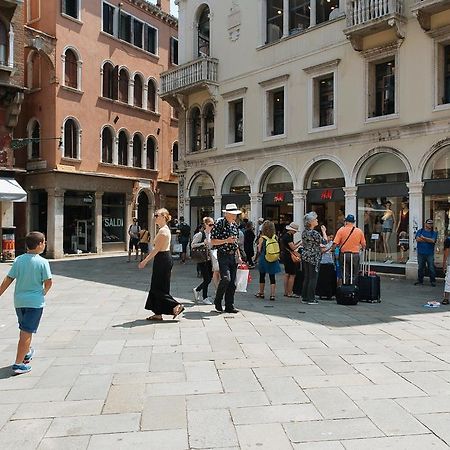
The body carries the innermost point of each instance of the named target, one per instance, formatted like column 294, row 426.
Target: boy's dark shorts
column 144, row 247
column 29, row 318
column 133, row 243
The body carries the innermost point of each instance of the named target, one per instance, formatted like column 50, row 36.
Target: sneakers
column 29, row 356
column 418, row 283
column 21, row 368
column 196, row 295
column 313, row 302
column 208, row 301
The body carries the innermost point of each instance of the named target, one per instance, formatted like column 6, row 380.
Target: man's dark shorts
column 184, row 241
column 29, row 318
column 134, row 243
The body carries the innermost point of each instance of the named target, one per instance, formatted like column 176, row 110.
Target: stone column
column 130, row 154
column 217, row 206
column 202, row 132
column 98, row 222
column 55, row 223
column 415, row 222
column 145, row 96
column 131, row 92
column 285, row 18
column 312, row 13
column 299, row 207
column 128, row 217
column 350, row 200
column 115, row 159
column 187, row 210
column 255, row 207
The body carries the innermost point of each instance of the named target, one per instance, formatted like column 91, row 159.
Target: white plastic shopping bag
column 242, row 276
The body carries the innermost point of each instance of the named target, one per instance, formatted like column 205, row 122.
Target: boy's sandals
column 154, row 318
column 445, row 301
column 259, row 295
column 272, row 298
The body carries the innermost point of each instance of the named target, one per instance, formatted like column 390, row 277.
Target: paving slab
column 267, row 436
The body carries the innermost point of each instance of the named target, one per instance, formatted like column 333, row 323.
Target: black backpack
column 185, row 230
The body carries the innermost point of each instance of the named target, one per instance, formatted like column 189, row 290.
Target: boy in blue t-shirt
column 33, row 281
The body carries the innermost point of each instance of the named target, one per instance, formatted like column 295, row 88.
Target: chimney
column 164, row 5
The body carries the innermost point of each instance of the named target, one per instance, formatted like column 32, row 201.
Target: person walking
column 184, row 236
column 446, row 267
column 33, row 281
column 133, row 233
column 224, row 237
column 265, row 266
column 288, row 254
column 249, row 249
column 144, row 239
column 311, row 255
column 350, row 240
column 426, row 240
column 159, row 299
column 202, row 242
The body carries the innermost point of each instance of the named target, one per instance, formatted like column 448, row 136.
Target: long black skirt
column 159, row 299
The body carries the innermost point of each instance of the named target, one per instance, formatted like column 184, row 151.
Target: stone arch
column 227, row 176
column 256, row 187
column 196, row 176
column 430, row 156
column 362, row 162
column 311, row 164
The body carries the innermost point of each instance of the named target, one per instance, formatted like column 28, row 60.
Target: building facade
column 338, row 107
column 99, row 138
column 11, row 98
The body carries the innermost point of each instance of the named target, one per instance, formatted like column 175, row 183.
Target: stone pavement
column 278, row 375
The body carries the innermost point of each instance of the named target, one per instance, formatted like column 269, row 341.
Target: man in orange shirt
column 350, row 240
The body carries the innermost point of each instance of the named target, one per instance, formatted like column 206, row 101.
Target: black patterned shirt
column 223, row 230
column 311, row 252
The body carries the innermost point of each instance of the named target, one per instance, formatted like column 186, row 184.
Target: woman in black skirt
column 159, row 299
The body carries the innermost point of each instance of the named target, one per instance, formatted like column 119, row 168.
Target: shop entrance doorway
column 330, row 214
column 81, row 236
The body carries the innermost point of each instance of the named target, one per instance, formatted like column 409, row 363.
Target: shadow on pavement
column 6, row 372
column 142, row 323
column 400, row 298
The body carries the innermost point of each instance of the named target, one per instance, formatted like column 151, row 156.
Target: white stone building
column 342, row 107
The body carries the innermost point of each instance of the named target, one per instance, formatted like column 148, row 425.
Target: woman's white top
column 165, row 233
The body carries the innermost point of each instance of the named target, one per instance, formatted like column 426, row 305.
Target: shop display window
column 385, row 222
column 113, row 212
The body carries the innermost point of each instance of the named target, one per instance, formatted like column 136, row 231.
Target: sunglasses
column 156, row 215
column 210, row 224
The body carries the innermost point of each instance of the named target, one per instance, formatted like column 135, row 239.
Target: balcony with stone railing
column 367, row 17
column 190, row 77
column 424, row 9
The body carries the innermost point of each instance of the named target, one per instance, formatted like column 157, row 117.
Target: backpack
column 185, row 230
column 272, row 249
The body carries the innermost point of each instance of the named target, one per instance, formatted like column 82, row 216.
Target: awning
column 11, row 191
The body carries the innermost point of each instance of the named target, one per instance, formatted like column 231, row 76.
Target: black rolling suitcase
column 369, row 282
column 347, row 294
column 326, row 283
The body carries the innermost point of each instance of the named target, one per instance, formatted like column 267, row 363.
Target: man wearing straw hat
column 224, row 238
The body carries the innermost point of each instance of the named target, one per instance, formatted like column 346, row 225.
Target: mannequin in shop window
column 387, row 227
column 403, row 230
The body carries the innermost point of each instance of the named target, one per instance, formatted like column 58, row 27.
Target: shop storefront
column 201, row 199
column 79, row 217
column 325, row 195
column 278, row 203
column 236, row 189
column 436, row 191
column 113, row 218
column 383, row 209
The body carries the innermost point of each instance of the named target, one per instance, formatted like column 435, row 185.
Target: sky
column 173, row 7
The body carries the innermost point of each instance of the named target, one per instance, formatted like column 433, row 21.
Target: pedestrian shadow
column 199, row 315
column 6, row 372
column 142, row 323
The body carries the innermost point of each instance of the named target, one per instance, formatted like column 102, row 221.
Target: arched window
column 151, row 95
column 123, row 149
column 109, row 79
column 138, row 91
column 34, row 132
column 123, row 85
column 196, row 130
column 151, row 154
column 175, row 157
column 137, row 151
column 203, row 29
column 71, row 139
column 71, row 75
column 209, row 126
column 107, row 145
column 4, row 57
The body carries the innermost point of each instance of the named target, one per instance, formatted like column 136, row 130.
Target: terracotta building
column 101, row 142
